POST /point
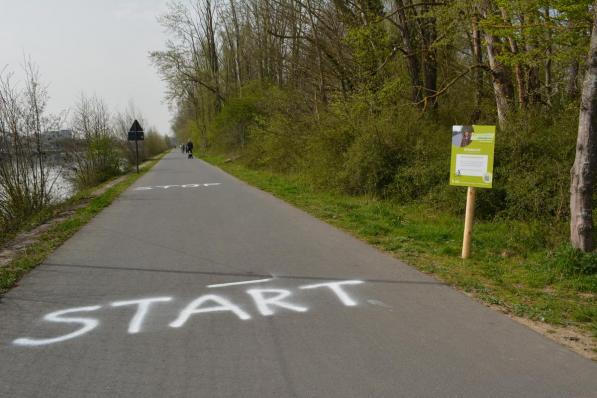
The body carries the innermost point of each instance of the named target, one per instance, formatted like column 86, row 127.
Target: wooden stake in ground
column 468, row 222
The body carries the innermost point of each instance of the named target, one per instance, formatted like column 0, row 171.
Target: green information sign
column 472, row 156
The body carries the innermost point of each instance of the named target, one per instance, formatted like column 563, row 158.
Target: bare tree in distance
column 98, row 156
column 25, row 182
column 122, row 121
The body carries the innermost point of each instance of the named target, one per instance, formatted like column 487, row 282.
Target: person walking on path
column 190, row 149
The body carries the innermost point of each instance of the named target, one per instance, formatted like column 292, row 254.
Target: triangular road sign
column 136, row 132
column 136, row 127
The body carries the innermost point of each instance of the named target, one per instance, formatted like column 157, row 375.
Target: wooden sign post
column 468, row 223
column 472, row 167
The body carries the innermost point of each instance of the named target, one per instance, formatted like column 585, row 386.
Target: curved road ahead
column 194, row 284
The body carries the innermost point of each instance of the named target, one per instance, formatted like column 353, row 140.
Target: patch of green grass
column 526, row 268
column 59, row 233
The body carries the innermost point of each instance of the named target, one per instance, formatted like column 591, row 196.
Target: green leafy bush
column 570, row 261
column 153, row 144
column 100, row 159
column 375, row 143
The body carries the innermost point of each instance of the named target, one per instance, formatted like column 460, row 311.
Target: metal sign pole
column 137, row 154
column 136, row 134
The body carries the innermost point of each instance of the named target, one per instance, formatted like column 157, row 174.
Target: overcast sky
column 89, row 46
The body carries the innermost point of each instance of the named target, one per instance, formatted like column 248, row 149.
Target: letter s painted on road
column 88, row 325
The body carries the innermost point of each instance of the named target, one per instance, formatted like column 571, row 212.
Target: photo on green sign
column 472, row 156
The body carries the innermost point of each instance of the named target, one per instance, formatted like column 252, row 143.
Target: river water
column 62, row 188
column 59, row 185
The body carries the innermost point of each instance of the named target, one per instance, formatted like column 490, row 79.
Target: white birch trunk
column 583, row 171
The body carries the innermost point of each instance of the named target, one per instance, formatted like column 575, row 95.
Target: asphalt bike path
column 194, row 284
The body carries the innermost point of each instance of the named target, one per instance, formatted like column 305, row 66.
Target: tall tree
column 583, row 171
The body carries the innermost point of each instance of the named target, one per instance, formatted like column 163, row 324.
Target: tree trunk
column 572, row 87
column 583, row 170
column 237, row 70
column 502, row 85
column 548, row 62
column 317, row 42
column 572, row 73
column 412, row 58
column 533, row 82
column 518, row 69
column 429, row 36
column 478, row 57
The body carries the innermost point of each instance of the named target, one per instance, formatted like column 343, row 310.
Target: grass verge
column 525, row 269
column 51, row 239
